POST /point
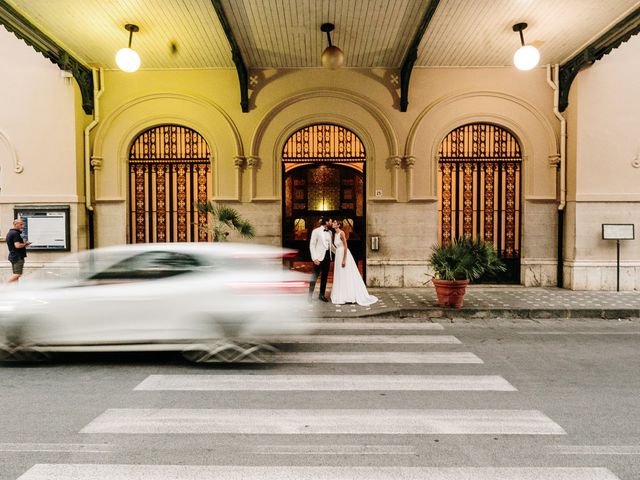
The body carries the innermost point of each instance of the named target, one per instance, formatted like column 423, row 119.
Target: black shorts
column 17, row 266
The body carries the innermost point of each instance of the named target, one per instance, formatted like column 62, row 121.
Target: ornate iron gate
column 169, row 170
column 479, row 169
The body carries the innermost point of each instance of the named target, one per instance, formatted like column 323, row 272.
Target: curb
column 485, row 313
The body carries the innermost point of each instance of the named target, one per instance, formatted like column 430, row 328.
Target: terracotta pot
column 450, row 293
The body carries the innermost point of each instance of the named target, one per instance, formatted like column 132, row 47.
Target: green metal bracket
column 22, row 28
column 412, row 55
column 618, row 34
column 236, row 55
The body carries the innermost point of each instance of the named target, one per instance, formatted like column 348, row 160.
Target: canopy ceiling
column 177, row 34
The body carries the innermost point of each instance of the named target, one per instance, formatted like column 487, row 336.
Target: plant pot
column 450, row 293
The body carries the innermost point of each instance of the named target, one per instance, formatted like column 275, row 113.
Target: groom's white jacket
column 320, row 243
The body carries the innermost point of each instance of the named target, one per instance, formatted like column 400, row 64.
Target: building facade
column 477, row 153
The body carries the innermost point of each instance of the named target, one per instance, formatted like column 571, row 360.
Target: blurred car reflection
column 211, row 301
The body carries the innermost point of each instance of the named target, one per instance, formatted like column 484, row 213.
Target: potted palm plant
column 224, row 219
column 457, row 263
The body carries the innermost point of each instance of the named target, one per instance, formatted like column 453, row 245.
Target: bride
column 348, row 286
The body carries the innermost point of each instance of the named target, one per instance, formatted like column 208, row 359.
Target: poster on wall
column 46, row 227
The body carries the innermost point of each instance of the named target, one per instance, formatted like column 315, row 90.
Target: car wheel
column 229, row 352
column 14, row 349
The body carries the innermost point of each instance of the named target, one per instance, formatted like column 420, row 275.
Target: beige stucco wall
column 401, row 147
column 604, row 170
column 39, row 125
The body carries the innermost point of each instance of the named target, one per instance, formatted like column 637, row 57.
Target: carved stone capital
column 96, row 163
column 238, row 162
column 396, row 161
column 554, row 160
column 253, row 162
column 409, row 162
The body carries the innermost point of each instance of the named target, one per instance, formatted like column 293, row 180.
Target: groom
column 321, row 253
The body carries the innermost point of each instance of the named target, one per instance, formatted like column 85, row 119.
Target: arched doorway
column 169, row 170
column 479, row 176
column 323, row 174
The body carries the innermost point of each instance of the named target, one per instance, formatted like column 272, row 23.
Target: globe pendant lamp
column 527, row 56
column 128, row 59
column 332, row 57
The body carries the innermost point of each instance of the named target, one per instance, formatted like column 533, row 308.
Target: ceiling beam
column 412, row 55
column 236, row 54
column 613, row 38
column 35, row 38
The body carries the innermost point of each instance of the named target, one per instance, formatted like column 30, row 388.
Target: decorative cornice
column 236, row 55
column 412, row 55
column 613, row 38
column 36, row 39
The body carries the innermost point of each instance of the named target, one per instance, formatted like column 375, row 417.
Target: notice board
column 47, row 227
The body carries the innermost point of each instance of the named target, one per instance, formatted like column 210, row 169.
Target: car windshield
column 148, row 266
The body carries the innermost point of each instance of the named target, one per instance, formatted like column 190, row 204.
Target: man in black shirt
column 17, row 249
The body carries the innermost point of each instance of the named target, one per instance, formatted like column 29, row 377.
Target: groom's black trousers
column 323, row 271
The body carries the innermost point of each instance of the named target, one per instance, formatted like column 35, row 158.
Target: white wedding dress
column 348, row 286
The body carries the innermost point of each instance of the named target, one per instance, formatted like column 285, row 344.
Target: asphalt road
column 489, row 400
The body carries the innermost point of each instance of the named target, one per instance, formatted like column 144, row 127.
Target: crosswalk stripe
column 336, row 449
column 57, row 447
column 295, row 421
column 325, row 383
column 198, row 472
column 594, row 449
column 358, row 339
column 376, row 357
column 533, row 332
column 376, row 326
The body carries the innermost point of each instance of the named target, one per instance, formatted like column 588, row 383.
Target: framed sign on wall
column 618, row 231
column 46, row 227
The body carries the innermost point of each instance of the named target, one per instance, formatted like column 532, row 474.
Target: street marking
column 308, row 422
column 357, row 339
column 57, row 447
column 333, row 449
column 198, row 472
column 376, row 357
column 326, row 383
column 579, row 333
column 376, row 326
column 594, row 449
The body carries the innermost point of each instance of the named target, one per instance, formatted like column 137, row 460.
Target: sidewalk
column 491, row 302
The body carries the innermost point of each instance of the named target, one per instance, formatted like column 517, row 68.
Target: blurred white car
column 202, row 299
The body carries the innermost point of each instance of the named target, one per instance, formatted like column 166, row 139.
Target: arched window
column 479, row 169
column 324, row 142
column 169, row 168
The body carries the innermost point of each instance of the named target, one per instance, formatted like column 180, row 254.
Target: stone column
column 409, row 163
column 396, row 162
column 252, row 165
column 238, row 163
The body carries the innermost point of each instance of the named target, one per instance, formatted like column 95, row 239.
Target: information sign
column 618, row 231
column 46, row 227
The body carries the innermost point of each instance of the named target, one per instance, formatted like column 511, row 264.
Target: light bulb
column 128, row 60
column 526, row 57
column 332, row 57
